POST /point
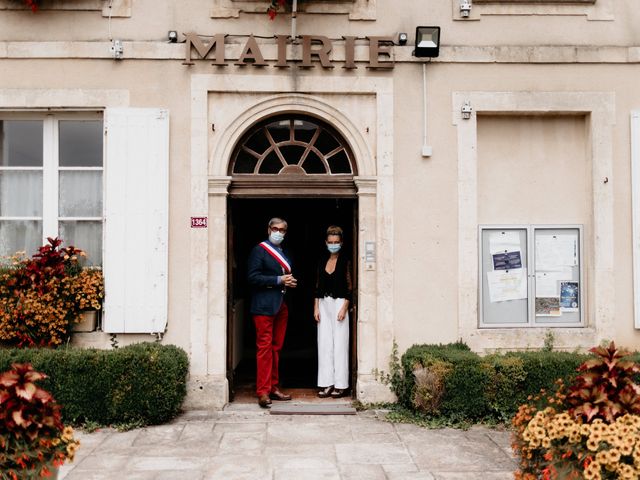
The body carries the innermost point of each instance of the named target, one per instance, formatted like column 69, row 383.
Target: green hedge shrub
column 464, row 384
column 143, row 383
column 516, row 375
column 453, row 382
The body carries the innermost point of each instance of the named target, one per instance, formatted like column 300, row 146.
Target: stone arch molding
column 291, row 103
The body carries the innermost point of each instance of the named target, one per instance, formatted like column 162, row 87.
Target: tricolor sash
column 277, row 256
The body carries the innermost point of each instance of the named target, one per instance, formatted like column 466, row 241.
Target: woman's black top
column 337, row 284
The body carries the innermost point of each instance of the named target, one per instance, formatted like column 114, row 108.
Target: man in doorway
column 269, row 274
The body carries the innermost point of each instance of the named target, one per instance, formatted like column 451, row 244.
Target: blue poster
column 569, row 292
column 507, row 261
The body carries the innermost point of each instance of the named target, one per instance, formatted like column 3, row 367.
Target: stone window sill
column 119, row 8
column 539, row 2
column 356, row 9
column 595, row 10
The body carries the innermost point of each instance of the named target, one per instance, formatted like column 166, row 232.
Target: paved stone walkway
column 246, row 443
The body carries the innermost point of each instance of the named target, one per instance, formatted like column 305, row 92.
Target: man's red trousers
column 270, row 332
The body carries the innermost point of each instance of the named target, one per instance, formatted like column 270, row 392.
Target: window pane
column 245, row 162
column 280, row 131
column 20, row 235
column 85, row 235
column 557, row 262
column 258, row 142
column 326, row 143
column 504, row 277
column 313, row 164
column 304, row 130
column 271, row 164
column 80, row 143
column 80, row 194
column 339, row 163
column 292, row 153
column 20, row 194
column 20, row 143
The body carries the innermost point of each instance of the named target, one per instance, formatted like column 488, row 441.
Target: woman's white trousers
column 333, row 345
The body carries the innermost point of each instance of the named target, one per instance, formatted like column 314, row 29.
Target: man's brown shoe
column 264, row 401
column 278, row 395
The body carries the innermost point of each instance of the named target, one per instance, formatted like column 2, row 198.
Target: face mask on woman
column 276, row 237
column 334, row 247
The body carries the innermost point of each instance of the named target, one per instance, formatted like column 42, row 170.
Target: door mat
column 286, row 408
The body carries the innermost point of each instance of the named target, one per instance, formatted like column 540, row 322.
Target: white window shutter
column 136, row 220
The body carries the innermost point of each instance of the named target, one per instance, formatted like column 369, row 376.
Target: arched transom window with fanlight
column 292, row 145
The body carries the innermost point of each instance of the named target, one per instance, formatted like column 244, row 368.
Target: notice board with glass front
column 530, row 275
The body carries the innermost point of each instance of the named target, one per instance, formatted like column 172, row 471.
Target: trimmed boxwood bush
column 464, row 384
column 516, row 375
column 475, row 387
column 143, row 383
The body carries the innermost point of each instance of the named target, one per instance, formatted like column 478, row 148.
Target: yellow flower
column 592, row 472
column 71, row 450
column 67, row 434
column 614, row 455
column 626, row 472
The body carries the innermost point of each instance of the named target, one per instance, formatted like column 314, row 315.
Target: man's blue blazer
column 263, row 274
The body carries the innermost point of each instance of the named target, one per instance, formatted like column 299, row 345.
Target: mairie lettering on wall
column 315, row 50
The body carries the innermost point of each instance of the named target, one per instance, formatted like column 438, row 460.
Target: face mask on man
column 334, row 247
column 276, row 237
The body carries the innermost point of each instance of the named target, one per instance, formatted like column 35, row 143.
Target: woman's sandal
column 337, row 393
column 325, row 392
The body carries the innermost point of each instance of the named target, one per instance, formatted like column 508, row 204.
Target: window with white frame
column 531, row 276
column 51, row 182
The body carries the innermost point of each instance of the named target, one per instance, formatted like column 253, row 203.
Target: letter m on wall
column 136, row 220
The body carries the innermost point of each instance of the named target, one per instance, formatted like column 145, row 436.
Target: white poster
column 504, row 241
column 507, row 285
column 548, row 282
column 553, row 251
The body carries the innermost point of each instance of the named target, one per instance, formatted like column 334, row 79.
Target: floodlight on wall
column 403, row 38
column 172, row 36
column 427, row 42
column 465, row 8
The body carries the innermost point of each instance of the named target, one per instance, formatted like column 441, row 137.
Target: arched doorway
column 300, row 168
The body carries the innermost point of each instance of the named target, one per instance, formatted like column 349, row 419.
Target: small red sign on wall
column 198, row 222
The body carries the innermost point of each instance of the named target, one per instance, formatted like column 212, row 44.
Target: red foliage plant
column 272, row 11
column 33, row 439
column 32, row 4
column 606, row 388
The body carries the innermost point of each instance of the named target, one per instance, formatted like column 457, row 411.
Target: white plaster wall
column 534, row 169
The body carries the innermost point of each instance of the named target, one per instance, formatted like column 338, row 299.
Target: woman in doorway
column 331, row 312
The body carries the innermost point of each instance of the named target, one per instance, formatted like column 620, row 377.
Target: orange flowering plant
column 42, row 297
column 33, row 439
column 588, row 430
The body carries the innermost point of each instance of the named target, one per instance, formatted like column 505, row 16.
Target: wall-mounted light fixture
column 427, row 45
column 402, row 38
column 172, row 36
column 466, row 110
column 465, row 8
column 116, row 49
column 427, row 42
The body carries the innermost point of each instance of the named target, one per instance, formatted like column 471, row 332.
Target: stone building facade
column 488, row 194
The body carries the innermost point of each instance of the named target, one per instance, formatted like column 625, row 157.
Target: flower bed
column 42, row 297
column 588, row 430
